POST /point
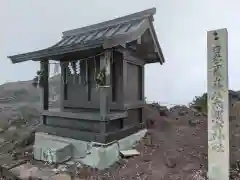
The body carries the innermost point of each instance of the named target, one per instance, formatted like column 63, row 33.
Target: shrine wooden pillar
column 44, row 97
column 63, row 85
column 105, row 62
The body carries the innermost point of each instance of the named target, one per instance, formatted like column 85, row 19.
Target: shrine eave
column 51, row 53
column 106, row 35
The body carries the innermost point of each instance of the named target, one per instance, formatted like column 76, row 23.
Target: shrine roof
column 107, row 34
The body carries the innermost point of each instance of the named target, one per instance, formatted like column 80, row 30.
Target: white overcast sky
column 181, row 26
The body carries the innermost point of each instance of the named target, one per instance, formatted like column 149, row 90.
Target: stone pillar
column 105, row 62
column 44, row 97
column 218, row 105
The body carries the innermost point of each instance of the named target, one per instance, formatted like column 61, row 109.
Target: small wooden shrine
column 102, row 72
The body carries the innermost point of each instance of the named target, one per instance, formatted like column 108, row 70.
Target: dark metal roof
column 75, row 37
column 92, row 36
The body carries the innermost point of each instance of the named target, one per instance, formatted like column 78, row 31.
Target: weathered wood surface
column 235, row 110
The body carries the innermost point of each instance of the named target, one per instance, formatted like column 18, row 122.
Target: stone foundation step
column 52, row 151
column 95, row 155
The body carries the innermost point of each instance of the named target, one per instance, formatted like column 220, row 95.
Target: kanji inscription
column 216, row 97
column 218, row 106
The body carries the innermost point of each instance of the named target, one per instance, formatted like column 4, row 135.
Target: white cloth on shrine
column 78, row 67
column 70, row 66
column 56, row 69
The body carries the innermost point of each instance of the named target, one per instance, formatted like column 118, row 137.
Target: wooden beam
column 45, row 88
column 156, row 43
column 62, row 86
column 104, row 106
column 85, row 116
column 44, row 65
column 105, row 62
column 87, row 81
column 125, row 77
column 90, row 136
column 143, row 82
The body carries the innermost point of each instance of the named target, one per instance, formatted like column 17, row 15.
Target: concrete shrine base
column 56, row 149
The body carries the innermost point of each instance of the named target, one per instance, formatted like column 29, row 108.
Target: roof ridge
column 105, row 24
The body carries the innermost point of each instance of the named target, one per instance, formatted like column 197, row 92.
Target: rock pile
column 162, row 110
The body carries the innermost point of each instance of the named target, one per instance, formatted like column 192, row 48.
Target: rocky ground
column 175, row 147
